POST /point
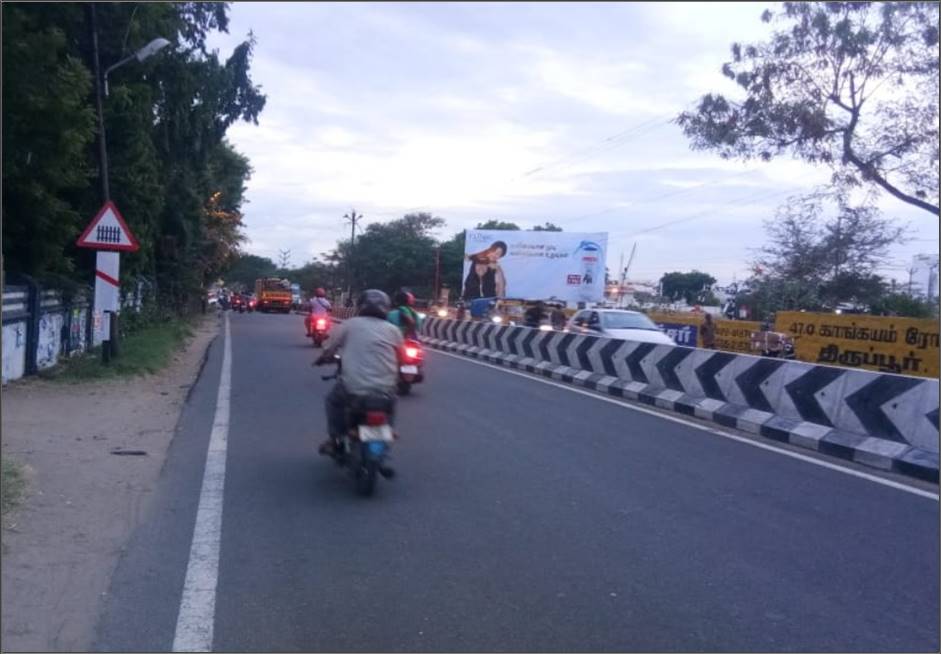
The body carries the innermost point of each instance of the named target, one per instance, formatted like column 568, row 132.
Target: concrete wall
column 894, row 408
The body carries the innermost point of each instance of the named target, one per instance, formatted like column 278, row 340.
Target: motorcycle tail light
column 321, row 323
column 412, row 353
column 375, row 418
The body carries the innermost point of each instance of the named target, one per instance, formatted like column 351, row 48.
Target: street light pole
column 106, row 303
column 352, row 218
column 99, row 100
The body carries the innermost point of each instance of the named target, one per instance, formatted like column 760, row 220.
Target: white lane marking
column 740, row 439
column 194, row 624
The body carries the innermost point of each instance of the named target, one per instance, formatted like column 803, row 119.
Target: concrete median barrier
column 882, row 420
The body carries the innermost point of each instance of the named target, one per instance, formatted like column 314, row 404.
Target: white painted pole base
column 107, row 298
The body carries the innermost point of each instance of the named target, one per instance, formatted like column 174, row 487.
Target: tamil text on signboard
column 908, row 346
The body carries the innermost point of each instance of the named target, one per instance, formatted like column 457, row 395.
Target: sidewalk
column 61, row 545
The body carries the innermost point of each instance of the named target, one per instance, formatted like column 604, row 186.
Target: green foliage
column 246, row 268
column 902, row 304
column 853, row 85
column 497, row 224
column 547, row 227
column 177, row 181
column 691, row 286
column 48, row 125
column 399, row 253
column 12, row 484
column 146, row 351
column 826, row 250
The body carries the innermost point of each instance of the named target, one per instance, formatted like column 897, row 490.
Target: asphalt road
column 524, row 518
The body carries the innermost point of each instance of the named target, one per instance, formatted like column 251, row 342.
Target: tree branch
column 871, row 173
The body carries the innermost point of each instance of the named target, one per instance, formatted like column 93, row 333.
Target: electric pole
column 437, row 295
column 284, row 257
column 352, row 218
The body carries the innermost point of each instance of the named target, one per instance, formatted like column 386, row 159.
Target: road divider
column 881, row 420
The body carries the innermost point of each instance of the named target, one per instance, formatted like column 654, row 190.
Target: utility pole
column 932, row 278
column 437, row 294
column 284, row 258
column 352, row 219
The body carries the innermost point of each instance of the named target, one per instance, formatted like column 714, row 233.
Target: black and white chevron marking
column 889, row 421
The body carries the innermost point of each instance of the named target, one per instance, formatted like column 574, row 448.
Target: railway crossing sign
column 108, row 231
column 109, row 234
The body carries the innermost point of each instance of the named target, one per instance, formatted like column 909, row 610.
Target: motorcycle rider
column 404, row 316
column 370, row 346
column 535, row 315
column 319, row 306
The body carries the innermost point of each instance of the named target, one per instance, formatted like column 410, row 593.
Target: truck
column 273, row 294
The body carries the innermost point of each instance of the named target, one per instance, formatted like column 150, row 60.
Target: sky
column 524, row 112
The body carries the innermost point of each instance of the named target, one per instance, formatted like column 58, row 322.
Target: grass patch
column 12, row 485
column 146, row 351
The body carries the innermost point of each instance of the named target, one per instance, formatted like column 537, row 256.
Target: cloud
column 517, row 111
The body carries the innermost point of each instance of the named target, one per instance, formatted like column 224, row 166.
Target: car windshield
column 618, row 320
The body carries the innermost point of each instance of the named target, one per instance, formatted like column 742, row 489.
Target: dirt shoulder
column 61, row 545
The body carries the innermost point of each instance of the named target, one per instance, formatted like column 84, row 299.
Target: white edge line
column 740, row 439
column 194, row 625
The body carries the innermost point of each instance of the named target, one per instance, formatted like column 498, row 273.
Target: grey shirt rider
column 369, row 347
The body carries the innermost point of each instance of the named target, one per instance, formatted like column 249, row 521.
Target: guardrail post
column 33, row 306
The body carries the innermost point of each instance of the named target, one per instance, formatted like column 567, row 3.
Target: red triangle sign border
column 133, row 246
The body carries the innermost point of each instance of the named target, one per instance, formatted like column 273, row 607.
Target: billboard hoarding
column 534, row 265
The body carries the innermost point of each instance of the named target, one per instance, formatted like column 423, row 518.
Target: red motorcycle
column 318, row 328
column 411, row 368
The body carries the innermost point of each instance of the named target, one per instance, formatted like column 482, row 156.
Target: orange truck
column 273, row 294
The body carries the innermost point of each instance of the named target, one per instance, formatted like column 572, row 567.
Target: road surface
column 525, row 517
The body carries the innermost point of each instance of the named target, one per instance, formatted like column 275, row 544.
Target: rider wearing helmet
column 369, row 345
column 319, row 306
column 404, row 315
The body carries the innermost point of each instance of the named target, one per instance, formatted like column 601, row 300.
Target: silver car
column 618, row 323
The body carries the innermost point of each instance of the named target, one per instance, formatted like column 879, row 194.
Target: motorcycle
column 364, row 450
column 411, row 368
column 238, row 304
column 318, row 328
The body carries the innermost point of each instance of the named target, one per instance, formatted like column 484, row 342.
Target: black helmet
column 374, row 303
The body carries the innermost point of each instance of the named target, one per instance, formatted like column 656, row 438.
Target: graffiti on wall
column 14, row 351
column 49, row 340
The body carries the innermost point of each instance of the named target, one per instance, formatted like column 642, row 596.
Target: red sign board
column 108, row 231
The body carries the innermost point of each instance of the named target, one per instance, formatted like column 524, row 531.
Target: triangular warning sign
column 108, row 231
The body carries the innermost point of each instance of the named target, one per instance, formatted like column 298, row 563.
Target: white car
column 617, row 323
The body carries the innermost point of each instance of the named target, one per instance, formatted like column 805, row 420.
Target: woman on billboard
column 485, row 278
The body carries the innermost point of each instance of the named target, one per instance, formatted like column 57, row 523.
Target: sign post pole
column 110, row 235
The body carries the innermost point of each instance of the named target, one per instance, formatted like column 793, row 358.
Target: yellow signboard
column 907, row 346
column 731, row 335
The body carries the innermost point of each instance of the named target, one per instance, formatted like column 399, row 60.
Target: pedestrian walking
column 708, row 331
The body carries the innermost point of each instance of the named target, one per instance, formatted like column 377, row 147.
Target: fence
column 43, row 325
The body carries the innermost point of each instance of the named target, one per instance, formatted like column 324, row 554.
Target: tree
column 177, row 182
column 853, row 85
column 688, row 286
column 548, row 227
column 902, row 304
column 823, row 251
column 48, row 127
column 497, row 224
column 246, row 268
column 396, row 254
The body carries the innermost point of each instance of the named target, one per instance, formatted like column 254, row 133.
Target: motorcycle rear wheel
column 366, row 478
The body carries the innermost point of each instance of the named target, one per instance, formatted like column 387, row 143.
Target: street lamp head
column 151, row 48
